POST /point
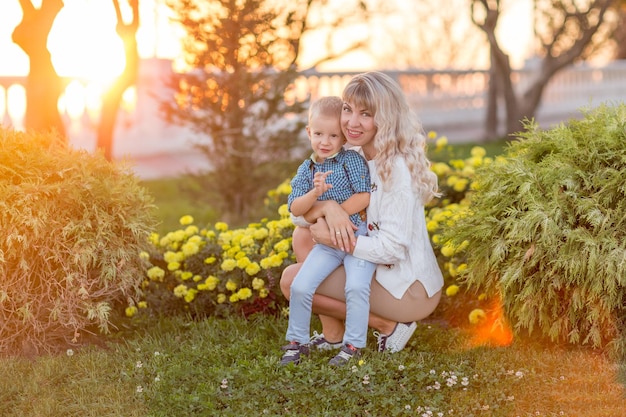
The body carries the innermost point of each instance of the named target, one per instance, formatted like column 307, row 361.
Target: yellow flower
column 440, row 168
column 271, row 261
column 482, row 296
column 460, row 185
column 441, row 142
column 432, row 134
column 233, row 298
column 452, row 290
column 264, row 292
column 221, row 298
column 243, row 262
column 228, row 265
column 231, row 285
column 180, row 291
column 186, row 275
column 476, row 316
column 244, row 293
column 257, row 284
column 252, row 269
column 156, row 274
column 247, row 241
column 210, row 260
column 260, row 234
column 447, row 250
column 283, row 211
column 185, row 220
column 284, row 188
column 154, row 238
column 432, row 225
column 142, row 304
column 282, row 246
column 143, row 255
column 190, row 295
column 130, row 311
column 478, row 151
column 212, row 282
column 461, row 268
column 221, row 226
column 191, row 230
column 173, row 266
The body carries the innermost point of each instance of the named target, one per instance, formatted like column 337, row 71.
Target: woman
column 407, row 284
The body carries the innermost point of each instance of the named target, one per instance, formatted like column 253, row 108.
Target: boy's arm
column 356, row 203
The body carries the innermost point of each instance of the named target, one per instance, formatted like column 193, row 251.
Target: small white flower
column 157, row 378
column 139, row 364
column 433, row 372
column 401, row 368
column 139, row 388
column 157, row 353
column 407, row 407
column 69, row 352
column 464, row 381
column 519, row 374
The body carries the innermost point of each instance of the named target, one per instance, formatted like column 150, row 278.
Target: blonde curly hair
column 399, row 132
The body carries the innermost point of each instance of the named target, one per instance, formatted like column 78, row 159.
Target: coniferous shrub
column 72, row 226
column 546, row 230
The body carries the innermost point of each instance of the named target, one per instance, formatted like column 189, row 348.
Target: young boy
column 342, row 175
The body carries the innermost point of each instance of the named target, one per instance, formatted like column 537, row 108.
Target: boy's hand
column 319, row 183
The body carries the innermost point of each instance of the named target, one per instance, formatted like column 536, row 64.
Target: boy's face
column 325, row 136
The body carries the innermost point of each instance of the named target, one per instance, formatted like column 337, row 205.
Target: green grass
column 228, row 367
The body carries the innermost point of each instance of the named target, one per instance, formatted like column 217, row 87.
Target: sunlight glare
column 73, row 100
column 16, row 101
column 3, row 107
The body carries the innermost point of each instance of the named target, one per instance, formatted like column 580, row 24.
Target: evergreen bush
column 546, row 229
column 72, row 226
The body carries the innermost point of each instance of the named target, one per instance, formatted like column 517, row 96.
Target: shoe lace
column 381, row 340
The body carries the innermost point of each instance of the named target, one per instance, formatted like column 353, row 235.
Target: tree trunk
column 113, row 97
column 43, row 85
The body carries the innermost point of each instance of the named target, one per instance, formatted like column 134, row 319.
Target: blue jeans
column 320, row 262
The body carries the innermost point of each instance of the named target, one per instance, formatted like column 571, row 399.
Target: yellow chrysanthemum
column 221, row 226
column 264, row 292
column 452, row 290
column 196, row 278
column 185, row 220
column 228, row 265
column 260, row 234
column 142, row 304
column 461, row 185
column 233, row 298
column 130, row 311
column 252, row 269
column 284, row 188
column 432, row 134
column 283, row 211
column 432, row 225
column 180, row 290
column 221, row 298
column 231, row 285
column 154, row 238
column 173, row 266
column 243, row 262
column 212, row 282
column 186, row 275
column 441, row 142
column 478, row 151
column 210, row 260
column 477, row 315
column 244, row 293
column 447, row 250
column 257, row 284
column 156, row 274
column 190, row 295
column 143, row 255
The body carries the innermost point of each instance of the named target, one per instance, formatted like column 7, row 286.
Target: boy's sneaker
column 319, row 342
column 398, row 339
column 293, row 353
column 346, row 353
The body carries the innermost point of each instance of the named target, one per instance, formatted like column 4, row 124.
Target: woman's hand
column 337, row 228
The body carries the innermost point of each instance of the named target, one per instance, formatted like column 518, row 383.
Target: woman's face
column 357, row 124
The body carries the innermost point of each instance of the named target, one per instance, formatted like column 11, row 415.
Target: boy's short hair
column 326, row 106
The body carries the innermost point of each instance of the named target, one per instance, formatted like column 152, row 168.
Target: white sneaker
column 398, row 339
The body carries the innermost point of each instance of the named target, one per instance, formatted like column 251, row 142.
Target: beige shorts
column 413, row 306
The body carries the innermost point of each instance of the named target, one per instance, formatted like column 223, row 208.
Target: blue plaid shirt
column 349, row 176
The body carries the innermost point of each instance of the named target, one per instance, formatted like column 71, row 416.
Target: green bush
column 71, row 228
column 546, row 230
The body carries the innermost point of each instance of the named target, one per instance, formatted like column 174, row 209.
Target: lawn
column 228, row 367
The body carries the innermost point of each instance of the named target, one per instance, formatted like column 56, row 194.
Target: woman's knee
column 287, row 278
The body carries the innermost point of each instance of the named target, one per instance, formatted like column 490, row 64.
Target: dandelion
column 361, row 362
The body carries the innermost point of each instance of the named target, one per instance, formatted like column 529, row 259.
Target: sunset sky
column 88, row 26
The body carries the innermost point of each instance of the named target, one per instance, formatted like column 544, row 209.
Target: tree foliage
column 566, row 32
column 240, row 92
column 546, row 229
